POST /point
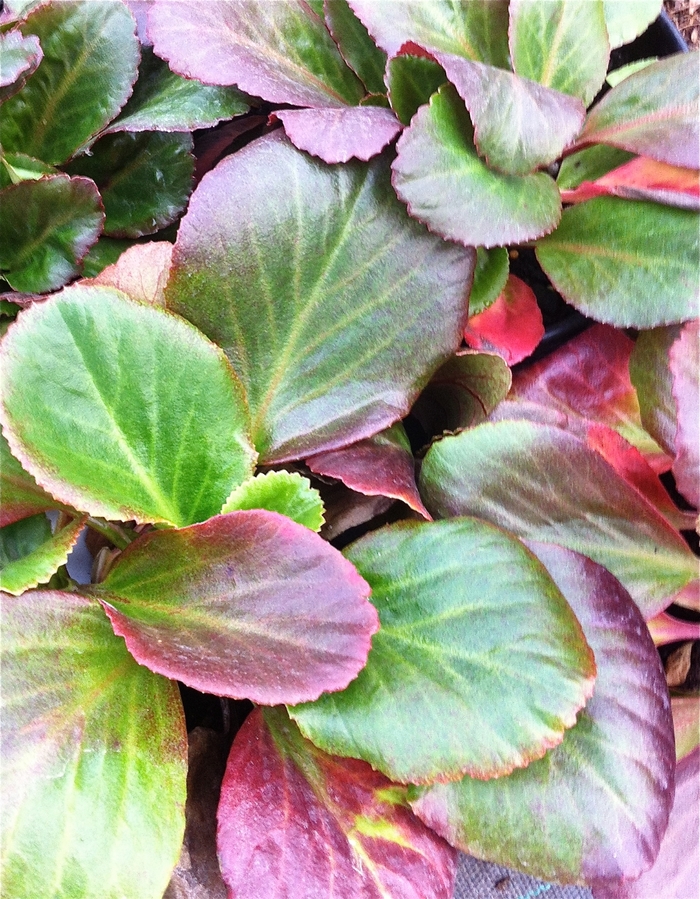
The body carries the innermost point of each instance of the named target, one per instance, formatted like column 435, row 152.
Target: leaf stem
column 120, row 537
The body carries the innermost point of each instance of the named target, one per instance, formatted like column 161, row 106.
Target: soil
column 686, row 17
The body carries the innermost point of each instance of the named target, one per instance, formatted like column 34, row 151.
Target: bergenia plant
column 259, row 329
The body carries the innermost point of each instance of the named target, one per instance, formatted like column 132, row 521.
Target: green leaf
column 625, row 21
column 165, row 101
column 16, row 167
column 141, row 272
column 333, row 305
column 103, row 253
column 46, row 227
column 91, row 55
column 617, row 75
column 590, row 164
column 122, row 409
column 21, row 495
column 490, row 276
column 476, row 643
column 356, row 46
column 19, row 58
column 439, row 175
column 650, row 373
column 562, row 44
column 94, row 755
column 625, row 262
column 145, row 179
column 597, row 805
column 19, row 539
column 558, row 490
column 285, row 492
column 654, row 112
column 411, row 81
column 37, row 560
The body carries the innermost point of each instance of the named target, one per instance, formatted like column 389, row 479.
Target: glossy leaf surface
column 36, row 566
column 336, row 135
column 625, row 262
column 684, row 362
column 655, row 112
column 141, row 272
column 559, row 490
column 625, row 20
column 16, row 167
column 94, row 757
column 21, row 495
column 411, row 80
column 165, row 101
column 281, row 52
column 19, row 58
column 249, row 605
column 382, row 465
column 46, row 227
column 144, row 179
column 320, row 289
column 356, row 46
column 650, row 374
column 511, row 326
column 476, row 643
column 445, row 184
column 344, row 829
column 285, row 492
column 123, row 410
column 62, row 106
column 597, row 805
column 477, row 30
column 490, row 277
column 562, row 44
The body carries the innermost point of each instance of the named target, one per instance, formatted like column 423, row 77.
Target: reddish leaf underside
column 248, row 604
column 295, row 822
column 511, row 327
column 664, row 628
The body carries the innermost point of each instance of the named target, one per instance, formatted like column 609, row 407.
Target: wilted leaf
column 511, row 326
column 684, row 362
column 94, row 757
column 141, row 272
column 19, row 58
column 625, row 262
column 285, row 492
column 356, row 46
column 343, row 829
column 46, row 227
column 122, row 409
column 543, row 483
column 476, row 643
column 336, row 135
column 333, row 305
column 597, row 805
column 439, row 175
column 411, row 80
column 91, row 55
column 625, row 21
column 35, row 566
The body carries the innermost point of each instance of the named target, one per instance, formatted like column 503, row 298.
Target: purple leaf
column 249, row 605
column 336, row 135
column 300, row 824
column 19, row 57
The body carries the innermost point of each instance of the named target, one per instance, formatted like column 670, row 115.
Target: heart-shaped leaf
column 356, row 46
column 46, row 227
column 281, row 52
column 511, row 326
column 122, row 409
column 476, row 30
column 285, row 492
column 21, row 495
column 249, row 605
column 63, row 105
column 411, row 81
column 439, row 175
column 141, row 272
column 333, row 305
column 651, row 376
column 19, row 58
column 344, row 829
column 165, row 101
column 145, row 179
column 476, row 643
column 625, row 262
column 562, row 44
column 625, row 21
column 597, row 805
column 561, row 491
column 42, row 559
column 336, row 135
column 655, row 112
column 684, row 363
column 94, row 755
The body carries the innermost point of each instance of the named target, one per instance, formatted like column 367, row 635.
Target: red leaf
column 295, row 822
column 511, row 327
column 664, row 628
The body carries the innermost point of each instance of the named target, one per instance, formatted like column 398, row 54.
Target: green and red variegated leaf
column 19, row 58
column 664, row 629
column 512, row 326
column 141, row 272
column 643, row 179
column 343, row 829
column 686, row 723
column 281, row 52
column 443, row 181
column 476, row 643
column 382, row 465
column 684, row 363
column 90, row 62
column 21, row 495
column 122, row 409
column 356, row 46
column 334, row 306
column 650, row 374
column 94, row 754
column 654, row 112
column 590, row 164
column 339, row 134
column 37, row 565
column 597, row 805
column 559, row 490
column 248, row 604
